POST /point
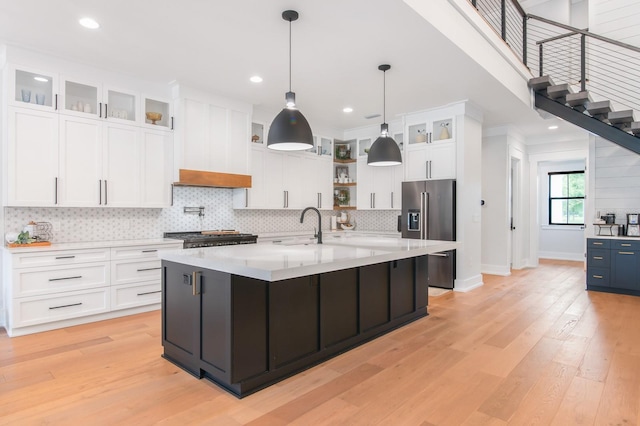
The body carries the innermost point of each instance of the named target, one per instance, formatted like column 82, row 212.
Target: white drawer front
column 128, row 296
column 56, row 279
column 141, row 252
column 42, row 309
column 61, row 257
column 135, row 272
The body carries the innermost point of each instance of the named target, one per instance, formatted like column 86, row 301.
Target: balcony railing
column 608, row 69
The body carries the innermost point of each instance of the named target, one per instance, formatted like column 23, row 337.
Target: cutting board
column 37, row 244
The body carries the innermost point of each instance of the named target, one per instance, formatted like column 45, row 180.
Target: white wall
column 557, row 241
column 616, row 19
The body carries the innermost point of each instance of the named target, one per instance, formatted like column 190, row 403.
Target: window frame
column 550, row 198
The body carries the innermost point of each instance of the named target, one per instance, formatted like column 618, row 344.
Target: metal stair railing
column 606, row 68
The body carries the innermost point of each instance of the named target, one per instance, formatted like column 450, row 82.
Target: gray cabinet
column 613, row 265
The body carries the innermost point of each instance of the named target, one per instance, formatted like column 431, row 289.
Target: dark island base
column 246, row 334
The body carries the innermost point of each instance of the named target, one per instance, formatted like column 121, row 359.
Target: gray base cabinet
column 613, row 265
column 245, row 334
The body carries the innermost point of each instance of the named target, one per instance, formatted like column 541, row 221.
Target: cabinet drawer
column 598, row 243
column 42, row 309
column 598, row 258
column 130, row 295
column 134, row 272
column 625, row 245
column 141, row 252
column 56, row 279
column 598, row 276
column 60, row 257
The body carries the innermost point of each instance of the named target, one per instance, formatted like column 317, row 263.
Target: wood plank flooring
column 532, row 348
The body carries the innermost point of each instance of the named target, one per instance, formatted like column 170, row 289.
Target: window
column 566, row 198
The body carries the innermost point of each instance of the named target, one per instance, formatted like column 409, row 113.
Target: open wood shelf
column 344, row 207
column 347, row 161
column 336, row 185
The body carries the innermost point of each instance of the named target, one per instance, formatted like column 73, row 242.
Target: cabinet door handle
column 194, row 278
column 105, row 110
column 374, row 200
column 319, row 200
column 148, row 269
column 597, row 257
column 426, row 169
column 100, row 109
column 55, row 192
column 65, row 278
column 150, row 251
column 391, row 199
column 284, row 200
column 148, row 292
column 626, row 252
column 171, row 122
column 55, row 107
column 65, row 306
column 105, row 191
column 65, row 257
column 172, row 195
column 287, row 198
column 598, row 276
column 100, row 192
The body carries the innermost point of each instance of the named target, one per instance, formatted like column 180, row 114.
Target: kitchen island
column 248, row 316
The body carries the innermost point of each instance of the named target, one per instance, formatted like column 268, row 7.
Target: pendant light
column 384, row 151
column 290, row 131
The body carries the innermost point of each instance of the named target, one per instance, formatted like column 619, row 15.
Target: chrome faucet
column 319, row 234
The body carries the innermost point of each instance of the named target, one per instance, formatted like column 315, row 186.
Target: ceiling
column 337, row 46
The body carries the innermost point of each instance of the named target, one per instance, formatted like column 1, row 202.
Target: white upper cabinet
column 32, row 158
column 80, row 143
column 430, row 147
column 31, row 88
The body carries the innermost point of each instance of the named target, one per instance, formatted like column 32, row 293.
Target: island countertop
column 269, row 261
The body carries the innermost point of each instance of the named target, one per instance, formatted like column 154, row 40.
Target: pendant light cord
column 384, row 96
column 289, row 55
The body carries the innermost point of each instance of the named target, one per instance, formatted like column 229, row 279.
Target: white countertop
column 94, row 244
column 273, row 262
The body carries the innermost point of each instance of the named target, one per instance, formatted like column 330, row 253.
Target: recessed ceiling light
column 42, row 79
column 347, row 109
column 256, row 79
column 89, row 23
column 553, row 127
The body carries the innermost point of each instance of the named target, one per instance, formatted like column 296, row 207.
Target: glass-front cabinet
column 157, row 113
column 34, row 89
column 82, row 99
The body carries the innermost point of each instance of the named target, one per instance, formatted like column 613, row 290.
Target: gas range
column 221, row 237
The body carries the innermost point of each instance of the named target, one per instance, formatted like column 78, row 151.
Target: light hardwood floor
column 532, row 348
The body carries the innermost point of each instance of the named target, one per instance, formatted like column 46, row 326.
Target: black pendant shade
column 290, row 130
column 384, row 151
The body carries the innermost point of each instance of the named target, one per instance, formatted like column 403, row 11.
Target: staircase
column 578, row 108
column 597, row 79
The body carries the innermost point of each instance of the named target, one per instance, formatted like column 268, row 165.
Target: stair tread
column 599, row 108
column 559, row 91
column 579, row 98
column 540, row 83
column 620, row 117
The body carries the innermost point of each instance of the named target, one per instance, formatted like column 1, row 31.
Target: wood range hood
column 213, row 179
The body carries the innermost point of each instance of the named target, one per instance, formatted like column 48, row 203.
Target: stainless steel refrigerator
column 429, row 213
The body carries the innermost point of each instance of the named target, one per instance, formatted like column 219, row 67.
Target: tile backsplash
column 71, row 224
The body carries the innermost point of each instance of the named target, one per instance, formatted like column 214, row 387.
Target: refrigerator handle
column 422, row 202
column 425, row 216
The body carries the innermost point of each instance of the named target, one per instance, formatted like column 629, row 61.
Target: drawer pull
column 598, row 276
column 626, row 252
column 66, row 306
column 597, row 244
column 65, row 278
column 149, row 292
column 597, row 257
column 65, row 257
column 149, row 269
column 150, row 251
column 625, row 245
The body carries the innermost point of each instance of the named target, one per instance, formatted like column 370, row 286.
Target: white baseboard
column 558, row 255
column 468, row 284
column 496, row 270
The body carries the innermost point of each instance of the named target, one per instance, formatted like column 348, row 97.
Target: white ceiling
column 217, row 46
